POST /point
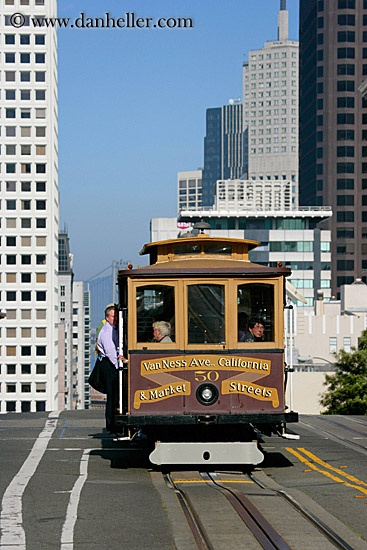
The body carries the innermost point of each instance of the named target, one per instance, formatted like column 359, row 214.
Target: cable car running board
column 206, row 453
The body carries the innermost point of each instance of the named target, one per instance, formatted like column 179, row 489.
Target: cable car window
column 217, row 248
column 206, row 314
column 255, row 312
column 181, row 249
column 155, row 303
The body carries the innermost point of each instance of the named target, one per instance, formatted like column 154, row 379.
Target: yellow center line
column 326, row 465
column 327, row 474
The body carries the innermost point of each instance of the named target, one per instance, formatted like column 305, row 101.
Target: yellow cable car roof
column 201, row 237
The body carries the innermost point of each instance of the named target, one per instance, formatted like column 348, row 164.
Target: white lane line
column 67, row 534
column 11, row 519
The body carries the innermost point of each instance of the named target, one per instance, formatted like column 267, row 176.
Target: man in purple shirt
column 108, row 351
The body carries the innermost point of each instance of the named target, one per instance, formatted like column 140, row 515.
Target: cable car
column 202, row 392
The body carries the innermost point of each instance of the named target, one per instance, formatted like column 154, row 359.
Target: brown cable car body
column 206, row 385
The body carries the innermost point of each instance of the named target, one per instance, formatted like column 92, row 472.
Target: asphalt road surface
column 65, row 484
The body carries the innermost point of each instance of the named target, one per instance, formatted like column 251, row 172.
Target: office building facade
column 29, row 210
column 333, row 127
column 224, row 147
column 292, row 237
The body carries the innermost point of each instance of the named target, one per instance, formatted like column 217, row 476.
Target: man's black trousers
column 111, row 378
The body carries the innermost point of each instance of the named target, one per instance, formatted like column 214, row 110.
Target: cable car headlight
column 207, row 394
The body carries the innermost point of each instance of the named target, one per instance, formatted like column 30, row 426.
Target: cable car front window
column 154, row 303
column 255, row 307
column 206, row 323
column 217, row 248
column 187, row 249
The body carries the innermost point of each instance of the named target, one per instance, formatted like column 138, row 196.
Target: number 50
column 202, row 375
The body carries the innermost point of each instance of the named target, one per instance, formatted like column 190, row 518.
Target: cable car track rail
column 259, row 526
column 338, row 437
column 337, row 541
column 339, row 425
column 197, row 529
column 265, row 534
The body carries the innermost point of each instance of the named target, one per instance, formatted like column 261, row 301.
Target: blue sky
column 132, row 108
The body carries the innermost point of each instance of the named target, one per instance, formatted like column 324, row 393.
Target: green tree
column 347, row 388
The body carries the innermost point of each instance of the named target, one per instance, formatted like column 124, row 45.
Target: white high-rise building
column 189, row 189
column 29, row 209
column 270, row 108
column 81, row 346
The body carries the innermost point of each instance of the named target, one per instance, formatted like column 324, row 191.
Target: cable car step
column 206, row 453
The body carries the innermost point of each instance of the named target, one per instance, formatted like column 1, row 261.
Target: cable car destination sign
column 244, row 372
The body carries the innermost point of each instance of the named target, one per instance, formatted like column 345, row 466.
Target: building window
column 332, row 344
column 10, row 58
column 345, row 233
column 10, row 113
column 346, row 19
column 25, row 76
column 10, row 406
column 10, row 39
column 25, row 351
column 40, row 95
column 40, row 57
column 345, row 86
column 40, row 223
column 346, row 53
column 343, row 135
column 40, row 350
column 345, row 183
column 345, row 167
column 24, row 39
column 25, row 58
column 346, row 4
column 40, row 205
column 345, row 216
column 345, row 151
column 11, row 241
column 346, row 36
column 26, row 223
column 25, row 149
column 346, row 69
column 345, row 265
column 39, row 39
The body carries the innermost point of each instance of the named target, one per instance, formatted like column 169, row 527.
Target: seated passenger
column 255, row 332
column 162, row 331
